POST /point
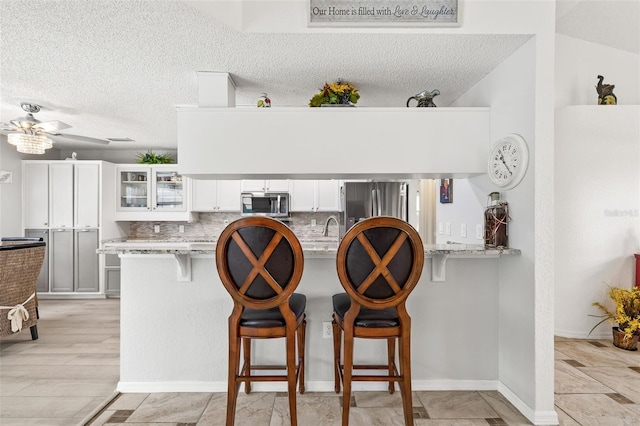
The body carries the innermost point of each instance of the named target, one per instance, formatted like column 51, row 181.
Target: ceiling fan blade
column 78, row 138
column 8, row 127
column 51, row 126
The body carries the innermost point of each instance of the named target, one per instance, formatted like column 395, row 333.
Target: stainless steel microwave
column 272, row 204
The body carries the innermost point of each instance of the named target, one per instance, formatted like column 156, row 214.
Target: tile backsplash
column 210, row 225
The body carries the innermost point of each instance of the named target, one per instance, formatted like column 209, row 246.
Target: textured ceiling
column 117, row 69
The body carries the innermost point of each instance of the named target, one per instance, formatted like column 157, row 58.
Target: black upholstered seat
column 366, row 317
column 273, row 317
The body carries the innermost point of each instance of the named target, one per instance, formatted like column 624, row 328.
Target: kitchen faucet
column 325, row 232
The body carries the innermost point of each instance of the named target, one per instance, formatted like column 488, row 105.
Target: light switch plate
column 440, row 228
column 156, row 228
column 478, row 231
column 447, row 228
column 463, row 230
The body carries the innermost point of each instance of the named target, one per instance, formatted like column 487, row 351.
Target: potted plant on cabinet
column 626, row 314
column 338, row 93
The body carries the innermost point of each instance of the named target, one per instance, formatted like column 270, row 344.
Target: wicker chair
column 20, row 264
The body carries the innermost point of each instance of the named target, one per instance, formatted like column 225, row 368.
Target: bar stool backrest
column 379, row 261
column 260, row 261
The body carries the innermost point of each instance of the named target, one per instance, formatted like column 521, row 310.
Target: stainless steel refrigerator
column 361, row 200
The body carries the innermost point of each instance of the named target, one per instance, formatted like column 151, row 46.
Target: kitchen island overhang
column 174, row 333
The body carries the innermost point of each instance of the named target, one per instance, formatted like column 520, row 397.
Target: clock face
column 508, row 161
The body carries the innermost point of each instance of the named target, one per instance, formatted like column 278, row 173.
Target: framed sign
column 383, row 12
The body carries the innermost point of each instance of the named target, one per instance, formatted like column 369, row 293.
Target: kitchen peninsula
column 174, row 312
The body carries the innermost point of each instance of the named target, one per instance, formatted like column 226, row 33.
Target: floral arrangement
column 335, row 94
column 151, row 158
column 627, row 310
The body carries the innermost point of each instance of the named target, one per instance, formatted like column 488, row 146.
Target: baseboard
column 310, row 386
column 70, row 295
column 603, row 334
column 535, row 417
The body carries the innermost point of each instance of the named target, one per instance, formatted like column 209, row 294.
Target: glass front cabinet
column 151, row 193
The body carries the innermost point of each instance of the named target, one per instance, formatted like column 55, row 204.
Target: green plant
column 627, row 310
column 151, row 158
column 335, row 93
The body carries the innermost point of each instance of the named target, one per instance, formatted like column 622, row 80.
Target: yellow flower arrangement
column 627, row 310
column 335, row 94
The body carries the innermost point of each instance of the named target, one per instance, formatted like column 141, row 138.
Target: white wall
column 11, row 194
column 510, row 91
column 467, row 208
column 597, row 213
column 578, row 64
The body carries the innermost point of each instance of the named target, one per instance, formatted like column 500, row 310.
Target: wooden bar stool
column 260, row 263
column 379, row 262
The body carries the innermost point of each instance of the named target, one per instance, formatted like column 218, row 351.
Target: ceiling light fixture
column 29, row 144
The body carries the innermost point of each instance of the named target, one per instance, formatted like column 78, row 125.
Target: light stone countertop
column 310, row 247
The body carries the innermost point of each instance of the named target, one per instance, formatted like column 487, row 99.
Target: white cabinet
column 315, row 195
column 260, row 185
column 35, row 195
column 61, row 195
column 155, row 192
column 215, row 195
column 86, row 206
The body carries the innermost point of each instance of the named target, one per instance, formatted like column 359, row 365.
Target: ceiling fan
column 32, row 136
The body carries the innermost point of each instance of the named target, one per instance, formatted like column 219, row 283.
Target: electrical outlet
column 447, row 228
column 463, row 230
column 326, row 329
column 181, row 229
column 440, row 228
column 156, row 228
column 478, row 231
column 313, row 222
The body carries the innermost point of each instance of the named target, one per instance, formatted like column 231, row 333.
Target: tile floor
column 69, row 375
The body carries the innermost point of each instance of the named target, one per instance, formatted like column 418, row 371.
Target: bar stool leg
column 246, row 368
column 348, row 369
column 291, row 375
column 391, row 355
column 233, row 383
column 337, row 347
column 405, row 371
column 302, row 335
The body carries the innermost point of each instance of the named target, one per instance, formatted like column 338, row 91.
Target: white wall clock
column 508, row 161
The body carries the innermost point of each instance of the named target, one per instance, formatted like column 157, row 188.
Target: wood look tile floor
column 69, row 375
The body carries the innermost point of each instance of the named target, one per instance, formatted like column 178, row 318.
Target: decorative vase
column 624, row 342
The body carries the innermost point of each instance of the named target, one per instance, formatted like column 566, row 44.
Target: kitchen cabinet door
column 303, row 195
column 133, row 190
column 61, row 192
column 328, row 195
column 61, row 249
column 86, row 195
column 228, row 195
column 112, row 282
column 42, row 284
column 259, row 185
column 86, row 260
column 203, row 195
column 36, row 195
column 168, row 190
